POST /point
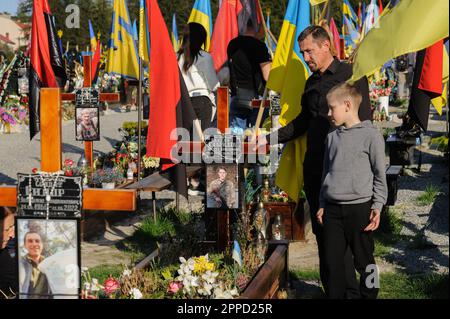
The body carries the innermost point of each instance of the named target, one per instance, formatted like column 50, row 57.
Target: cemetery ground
column 411, row 244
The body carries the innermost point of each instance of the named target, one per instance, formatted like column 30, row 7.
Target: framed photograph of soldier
column 222, row 186
column 48, row 258
column 87, row 124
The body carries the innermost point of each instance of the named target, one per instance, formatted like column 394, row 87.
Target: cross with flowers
column 51, row 150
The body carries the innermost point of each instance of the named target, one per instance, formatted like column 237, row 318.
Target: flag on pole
column 170, row 105
column 92, row 37
column 427, row 83
column 201, row 14
column 175, row 41
column 348, row 10
column 380, row 6
column 47, row 67
column 427, row 20
column 237, row 255
column 352, row 36
column 96, row 62
column 440, row 102
column 336, row 38
column 225, row 29
column 123, row 53
column 271, row 41
column 288, row 77
column 144, row 40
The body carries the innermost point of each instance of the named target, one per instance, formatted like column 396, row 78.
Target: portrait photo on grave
column 87, row 124
column 222, row 182
column 48, row 258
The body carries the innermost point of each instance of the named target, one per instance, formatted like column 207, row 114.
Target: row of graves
column 243, row 252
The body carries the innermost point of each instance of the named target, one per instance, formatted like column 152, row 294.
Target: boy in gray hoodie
column 353, row 192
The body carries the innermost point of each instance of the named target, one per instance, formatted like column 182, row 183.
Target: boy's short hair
column 345, row 91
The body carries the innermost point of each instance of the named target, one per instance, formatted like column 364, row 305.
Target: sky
column 9, row 6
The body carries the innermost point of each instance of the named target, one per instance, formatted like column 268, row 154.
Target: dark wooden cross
column 223, row 216
column 51, row 153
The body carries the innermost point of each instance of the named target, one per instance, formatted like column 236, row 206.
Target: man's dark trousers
column 312, row 184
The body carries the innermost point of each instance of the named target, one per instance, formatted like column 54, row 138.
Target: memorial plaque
column 221, row 149
column 87, row 97
column 49, row 196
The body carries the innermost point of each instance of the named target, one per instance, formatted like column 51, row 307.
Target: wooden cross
column 51, row 158
column 223, row 216
column 104, row 97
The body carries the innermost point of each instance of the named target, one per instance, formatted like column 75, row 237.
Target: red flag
column 380, row 5
column 170, row 105
column 226, row 29
column 96, row 61
column 427, row 83
column 336, row 38
column 47, row 68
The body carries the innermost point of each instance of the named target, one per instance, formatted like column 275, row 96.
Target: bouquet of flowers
column 108, row 175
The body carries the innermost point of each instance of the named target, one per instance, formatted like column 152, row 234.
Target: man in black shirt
column 313, row 121
column 249, row 62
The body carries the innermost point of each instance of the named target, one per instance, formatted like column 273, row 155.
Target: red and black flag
column 47, row 67
column 170, row 105
column 427, row 83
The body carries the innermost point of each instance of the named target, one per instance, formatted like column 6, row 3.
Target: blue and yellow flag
column 92, row 37
column 144, row 41
column 288, row 77
column 271, row 41
column 201, row 13
column 174, row 35
column 352, row 36
column 123, row 52
column 348, row 10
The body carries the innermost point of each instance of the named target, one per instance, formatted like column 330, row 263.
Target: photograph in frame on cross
column 87, row 124
column 222, row 186
column 48, row 258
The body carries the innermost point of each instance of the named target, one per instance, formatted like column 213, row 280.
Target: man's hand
column 258, row 141
column 319, row 216
column 374, row 220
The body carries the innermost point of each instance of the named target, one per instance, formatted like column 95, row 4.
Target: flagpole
column 140, row 102
column 261, row 111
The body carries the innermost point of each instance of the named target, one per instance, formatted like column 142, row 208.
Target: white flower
column 135, row 293
column 126, row 273
column 87, row 286
column 95, row 286
column 84, row 269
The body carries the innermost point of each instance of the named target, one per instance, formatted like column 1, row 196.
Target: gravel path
column 19, row 155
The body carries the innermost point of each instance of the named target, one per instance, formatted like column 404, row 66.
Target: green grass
column 440, row 143
column 389, row 232
column 305, row 274
column 395, row 285
column 102, row 272
column 429, row 196
column 149, row 229
column 401, row 286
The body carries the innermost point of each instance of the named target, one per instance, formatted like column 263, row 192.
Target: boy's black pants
column 313, row 182
column 344, row 227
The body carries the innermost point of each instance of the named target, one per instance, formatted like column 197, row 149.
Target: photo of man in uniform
column 87, row 124
column 221, row 191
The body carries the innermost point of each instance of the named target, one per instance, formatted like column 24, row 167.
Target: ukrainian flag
column 92, row 37
column 348, row 10
column 144, row 41
column 174, row 35
column 288, row 77
column 201, row 13
column 123, row 53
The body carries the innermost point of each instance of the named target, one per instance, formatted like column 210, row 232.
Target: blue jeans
column 242, row 119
